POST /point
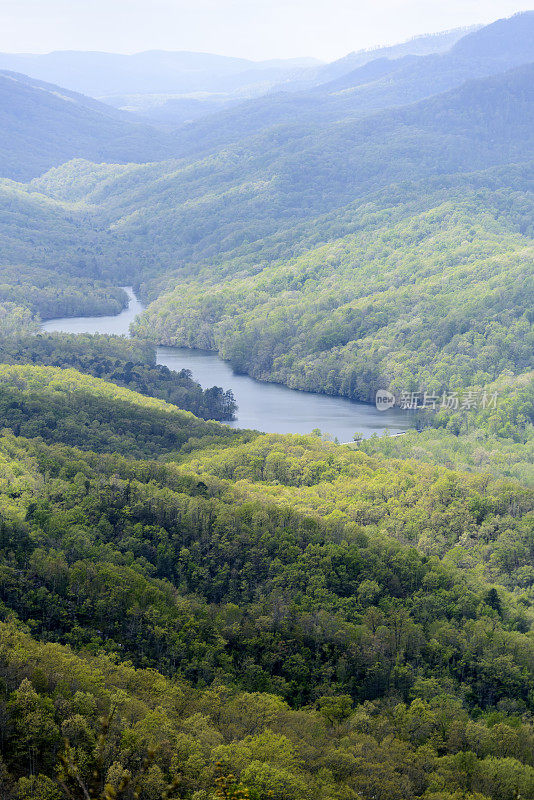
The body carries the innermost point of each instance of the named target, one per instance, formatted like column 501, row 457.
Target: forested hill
column 216, row 207
column 441, row 298
column 419, row 286
column 387, row 220
column 324, row 622
column 487, row 51
column 44, row 125
column 376, row 85
column 417, row 46
column 194, row 612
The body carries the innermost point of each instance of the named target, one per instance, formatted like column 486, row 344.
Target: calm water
column 262, row 406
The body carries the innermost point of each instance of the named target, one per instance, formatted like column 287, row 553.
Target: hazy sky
column 256, row 29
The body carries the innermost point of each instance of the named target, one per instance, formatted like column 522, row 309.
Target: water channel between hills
column 263, row 406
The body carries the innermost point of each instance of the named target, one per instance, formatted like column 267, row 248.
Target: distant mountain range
column 211, row 209
column 379, row 84
column 418, row 46
column 44, row 125
column 176, row 87
column 152, row 72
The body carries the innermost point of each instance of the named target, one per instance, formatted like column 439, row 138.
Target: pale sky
column 256, row 29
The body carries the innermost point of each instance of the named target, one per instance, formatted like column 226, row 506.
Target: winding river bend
column 262, row 406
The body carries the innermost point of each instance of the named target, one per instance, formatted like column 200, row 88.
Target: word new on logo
column 384, row 400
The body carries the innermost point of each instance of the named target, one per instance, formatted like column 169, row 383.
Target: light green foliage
column 126, row 362
column 16, row 320
column 440, row 301
column 192, row 612
column 497, row 440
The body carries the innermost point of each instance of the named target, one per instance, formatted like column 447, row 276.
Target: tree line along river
column 268, row 407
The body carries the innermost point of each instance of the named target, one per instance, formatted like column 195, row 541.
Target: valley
column 205, row 591
column 270, row 408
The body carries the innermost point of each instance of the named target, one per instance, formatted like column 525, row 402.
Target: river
column 268, row 407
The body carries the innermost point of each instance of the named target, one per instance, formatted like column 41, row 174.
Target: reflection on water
column 263, row 406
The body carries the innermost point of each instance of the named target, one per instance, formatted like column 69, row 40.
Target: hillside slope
column 489, row 51
column 44, row 125
column 418, row 46
column 205, row 210
column 303, row 603
column 440, row 300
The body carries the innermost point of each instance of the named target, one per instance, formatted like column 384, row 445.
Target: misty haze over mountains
column 193, row 610
column 152, row 72
column 32, row 111
column 45, row 125
column 174, row 87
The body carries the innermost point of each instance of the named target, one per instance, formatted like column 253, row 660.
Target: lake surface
column 262, row 406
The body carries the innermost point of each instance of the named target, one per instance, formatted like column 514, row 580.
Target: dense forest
column 189, row 611
column 50, row 294
column 31, row 112
column 322, row 620
column 375, row 254
column 397, row 306
column 122, row 361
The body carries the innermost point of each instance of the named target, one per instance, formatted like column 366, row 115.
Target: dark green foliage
column 124, row 362
column 238, row 571
column 130, row 730
column 54, row 294
column 104, row 424
column 260, row 594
